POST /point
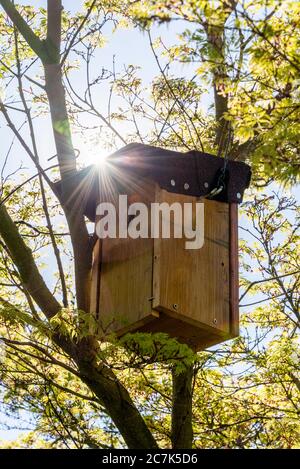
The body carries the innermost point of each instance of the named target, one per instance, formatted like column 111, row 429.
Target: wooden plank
column 126, row 282
column 195, row 283
column 126, row 269
column 156, row 274
column 94, row 305
column 234, row 271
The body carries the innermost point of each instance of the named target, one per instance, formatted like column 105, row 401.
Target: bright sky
column 128, row 47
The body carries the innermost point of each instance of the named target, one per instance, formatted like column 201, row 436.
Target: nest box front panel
column 193, row 284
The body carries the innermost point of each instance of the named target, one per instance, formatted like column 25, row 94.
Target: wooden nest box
column 157, row 285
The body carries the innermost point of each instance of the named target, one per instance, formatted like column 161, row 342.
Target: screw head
column 206, row 185
column 186, row 186
column 238, row 195
column 215, row 321
column 175, row 306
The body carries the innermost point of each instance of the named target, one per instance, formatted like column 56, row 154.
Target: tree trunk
column 182, row 428
column 102, row 381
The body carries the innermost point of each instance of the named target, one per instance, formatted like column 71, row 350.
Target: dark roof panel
column 193, row 173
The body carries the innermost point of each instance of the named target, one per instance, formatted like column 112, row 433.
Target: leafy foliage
column 241, row 71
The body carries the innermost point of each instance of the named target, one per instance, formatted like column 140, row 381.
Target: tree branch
column 252, row 284
column 24, row 261
column 182, row 428
column 37, row 45
column 69, row 48
column 43, row 193
column 25, row 146
column 54, row 15
column 216, row 38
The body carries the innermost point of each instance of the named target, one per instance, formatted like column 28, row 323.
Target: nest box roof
column 193, row 173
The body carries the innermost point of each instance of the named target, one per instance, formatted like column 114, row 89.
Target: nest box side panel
column 94, row 304
column 234, row 271
column 125, row 288
column 194, row 285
